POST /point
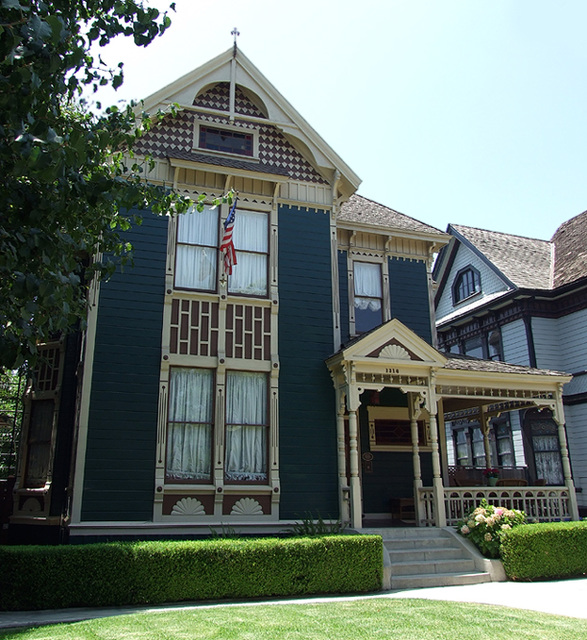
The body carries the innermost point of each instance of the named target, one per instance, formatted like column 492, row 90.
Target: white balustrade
column 540, row 504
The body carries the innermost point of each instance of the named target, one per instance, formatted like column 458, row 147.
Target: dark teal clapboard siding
column 343, row 289
column 408, row 284
column 307, row 416
column 120, row 458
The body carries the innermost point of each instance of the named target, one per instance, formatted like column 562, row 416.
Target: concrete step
column 410, row 533
column 438, row 580
column 423, row 543
column 421, row 555
column 427, row 557
column 461, row 565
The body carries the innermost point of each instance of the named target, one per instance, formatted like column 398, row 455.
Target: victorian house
column 303, row 379
column 524, row 301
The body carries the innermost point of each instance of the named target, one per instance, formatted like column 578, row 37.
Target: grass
column 368, row 619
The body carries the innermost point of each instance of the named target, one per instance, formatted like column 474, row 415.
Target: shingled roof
column 469, row 363
column 365, row 211
column 570, row 248
column 535, row 264
column 526, row 262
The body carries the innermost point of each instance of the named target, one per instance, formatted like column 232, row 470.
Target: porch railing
column 540, row 504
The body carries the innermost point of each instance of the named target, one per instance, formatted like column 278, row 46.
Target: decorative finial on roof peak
column 235, row 32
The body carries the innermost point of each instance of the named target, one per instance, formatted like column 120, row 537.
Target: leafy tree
column 64, row 188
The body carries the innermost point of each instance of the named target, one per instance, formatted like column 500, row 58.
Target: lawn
column 367, row 619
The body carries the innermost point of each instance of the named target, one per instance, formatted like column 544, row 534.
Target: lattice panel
column 194, row 328
column 248, row 332
column 47, row 374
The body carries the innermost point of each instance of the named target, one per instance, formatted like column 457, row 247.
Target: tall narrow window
column 466, row 284
column 196, row 252
column 505, row 446
column 368, row 296
column 189, row 427
column 39, row 439
column 250, row 237
column 494, row 345
column 246, row 427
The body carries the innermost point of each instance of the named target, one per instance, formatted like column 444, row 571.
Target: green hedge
column 124, row 573
column 545, row 551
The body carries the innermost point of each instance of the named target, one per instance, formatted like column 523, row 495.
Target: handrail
column 540, row 504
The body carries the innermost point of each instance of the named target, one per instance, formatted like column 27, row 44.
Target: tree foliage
column 64, row 188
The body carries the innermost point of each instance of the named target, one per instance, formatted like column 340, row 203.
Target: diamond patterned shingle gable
column 174, row 137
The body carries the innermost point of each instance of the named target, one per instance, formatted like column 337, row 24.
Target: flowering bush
column 491, row 473
column 485, row 525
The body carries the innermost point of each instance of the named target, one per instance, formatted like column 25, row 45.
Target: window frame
column 214, row 248
column 266, row 426
column 400, row 415
column 232, row 128
column 385, row 296
column 266, row 253
column 192, row 481
column 471, row 292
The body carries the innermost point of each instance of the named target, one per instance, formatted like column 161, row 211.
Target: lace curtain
column 251, row 244
column 195, row 266
column 189, row 432
column 246, row 426
column 368, row 292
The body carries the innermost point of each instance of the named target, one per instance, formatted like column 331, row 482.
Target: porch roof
column 394, row 356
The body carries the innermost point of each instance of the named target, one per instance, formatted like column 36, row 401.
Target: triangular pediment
column 270, row 105
column 393, row 342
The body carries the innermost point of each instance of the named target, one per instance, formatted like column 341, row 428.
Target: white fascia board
column 439, row 238
column 303, row 128
column 280, row 112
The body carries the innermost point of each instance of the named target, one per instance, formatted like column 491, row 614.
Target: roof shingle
column 527, row 262
column 570, row 246
column 360, row 209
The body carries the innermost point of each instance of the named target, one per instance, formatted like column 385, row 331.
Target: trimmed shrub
column 125, row 573
column 545, row 551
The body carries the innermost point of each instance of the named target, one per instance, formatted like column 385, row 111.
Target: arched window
column 466, row 284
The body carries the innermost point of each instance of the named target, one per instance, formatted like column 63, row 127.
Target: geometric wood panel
column 248, row 332
column 194, row 328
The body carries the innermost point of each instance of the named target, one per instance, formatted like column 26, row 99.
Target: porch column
column 437, row 486
column 415, row 402
column 559, row 418
column 485, row 421
column 356, row 507
column 343, row 488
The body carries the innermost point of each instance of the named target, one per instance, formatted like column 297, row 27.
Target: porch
column 436, row 388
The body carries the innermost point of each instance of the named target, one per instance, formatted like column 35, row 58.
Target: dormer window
column 467, row 283
column 226, row 139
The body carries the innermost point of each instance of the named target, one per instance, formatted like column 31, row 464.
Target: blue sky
column 449, row 110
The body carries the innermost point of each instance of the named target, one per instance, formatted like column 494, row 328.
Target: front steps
column 416, row 557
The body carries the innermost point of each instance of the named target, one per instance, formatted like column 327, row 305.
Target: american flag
column 227, row 246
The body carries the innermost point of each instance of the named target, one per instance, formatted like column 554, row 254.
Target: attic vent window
column 226, row 140
column 466, row 284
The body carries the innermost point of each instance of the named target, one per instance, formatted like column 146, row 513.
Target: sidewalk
column 560, row 597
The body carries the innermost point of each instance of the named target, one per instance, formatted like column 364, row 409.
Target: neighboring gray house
column 523, row 301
